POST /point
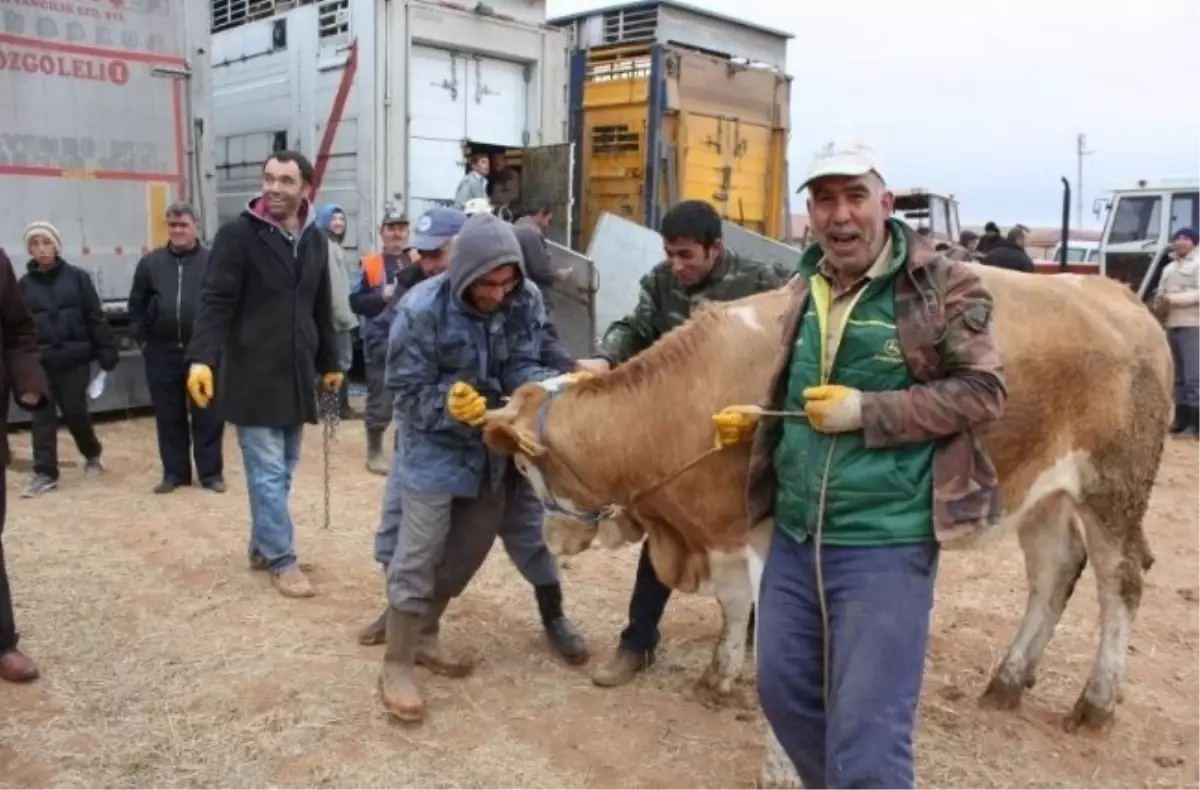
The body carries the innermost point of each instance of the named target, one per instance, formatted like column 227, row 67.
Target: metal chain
column 331, row 407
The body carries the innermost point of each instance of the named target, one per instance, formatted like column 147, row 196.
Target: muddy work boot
column 292, row 583
column 374, row 632
column 1182, row 417
column 431, row 654
column 398, row 689
column 376, row 463
column 622, row 667
column 563, row 635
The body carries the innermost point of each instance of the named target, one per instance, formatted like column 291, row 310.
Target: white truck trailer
column 406, row 87
column 104, row 124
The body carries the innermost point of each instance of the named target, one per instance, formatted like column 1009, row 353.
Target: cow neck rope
column 543, row 438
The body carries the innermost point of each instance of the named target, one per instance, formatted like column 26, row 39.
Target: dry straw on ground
column 168, row 663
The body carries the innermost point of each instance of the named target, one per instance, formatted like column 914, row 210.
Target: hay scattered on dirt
column 167, row 663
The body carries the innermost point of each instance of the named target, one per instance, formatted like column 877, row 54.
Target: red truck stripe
column 335, row 118
column 99, row 52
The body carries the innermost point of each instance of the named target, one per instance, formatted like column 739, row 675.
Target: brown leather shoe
column 292, row 583
column 16, row 667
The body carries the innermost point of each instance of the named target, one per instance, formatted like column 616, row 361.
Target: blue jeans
column 879, row 600
column 270, row 456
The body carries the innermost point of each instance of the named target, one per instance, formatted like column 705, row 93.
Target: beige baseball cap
column 843, row 158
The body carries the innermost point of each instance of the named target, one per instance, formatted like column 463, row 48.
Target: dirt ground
column 167, row 663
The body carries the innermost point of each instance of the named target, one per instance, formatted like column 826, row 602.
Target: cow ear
column 505, row 438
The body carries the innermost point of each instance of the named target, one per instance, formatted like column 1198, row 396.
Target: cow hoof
column 1087, row 715
column 716, row 692
column 1002, row 695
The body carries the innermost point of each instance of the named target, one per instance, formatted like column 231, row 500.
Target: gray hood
column 484, row 244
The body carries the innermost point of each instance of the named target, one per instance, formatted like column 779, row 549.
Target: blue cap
column 436, row 227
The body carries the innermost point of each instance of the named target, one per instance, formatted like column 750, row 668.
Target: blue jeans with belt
column 878, row 601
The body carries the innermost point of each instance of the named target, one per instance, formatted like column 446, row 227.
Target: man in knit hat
column 461, row 341
column 72, row 332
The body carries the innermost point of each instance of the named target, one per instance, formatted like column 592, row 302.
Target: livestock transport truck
column 624, row 110
column 104, row 125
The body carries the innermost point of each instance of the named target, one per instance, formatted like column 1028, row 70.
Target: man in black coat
column 162, row 309
column 266, row 320
column 1009, row 252
column 72, row 332
column 21, row 375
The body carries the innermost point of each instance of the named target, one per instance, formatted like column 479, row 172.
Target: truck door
column 547, row 180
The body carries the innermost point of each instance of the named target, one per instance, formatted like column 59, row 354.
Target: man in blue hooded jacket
column 478, row 324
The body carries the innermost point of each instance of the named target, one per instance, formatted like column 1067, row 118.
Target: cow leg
column 1054, row 559
column 731, row 585
column 776, row 770
column 1118, row 564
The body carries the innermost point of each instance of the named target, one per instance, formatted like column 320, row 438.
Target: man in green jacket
column 891, row 365
column 697, row 269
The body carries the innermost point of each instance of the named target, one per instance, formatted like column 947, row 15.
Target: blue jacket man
column 480, row 322
column 370, row 295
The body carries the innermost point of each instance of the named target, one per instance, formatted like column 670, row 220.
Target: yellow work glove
column 832, row 408
column 465, row 404
column 200, row 385
column 333, row 381
column 734, row 425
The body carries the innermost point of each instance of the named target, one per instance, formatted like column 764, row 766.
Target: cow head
column 576, row 515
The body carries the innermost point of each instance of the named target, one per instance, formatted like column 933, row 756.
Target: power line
column 1081, row 150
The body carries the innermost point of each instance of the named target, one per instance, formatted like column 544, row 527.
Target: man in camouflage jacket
column 889, row 363
column 698, row 269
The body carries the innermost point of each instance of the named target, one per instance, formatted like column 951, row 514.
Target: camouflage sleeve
column 776, row 274
column 970, row 390
column 636, row 331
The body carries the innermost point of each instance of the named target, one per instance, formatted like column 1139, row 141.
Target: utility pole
column 1081, row 151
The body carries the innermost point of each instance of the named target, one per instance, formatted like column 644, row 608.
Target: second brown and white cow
column 1089, row 377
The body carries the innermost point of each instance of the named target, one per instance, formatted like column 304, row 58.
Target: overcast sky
column 985, row 99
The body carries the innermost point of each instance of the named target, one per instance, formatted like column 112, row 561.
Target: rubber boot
column 376, row 463
column 398, row 689
column 374, row 632
column 1193, row 422
column 1182, row 418
column 346, row 412
column 563, row 635
column 430, row 653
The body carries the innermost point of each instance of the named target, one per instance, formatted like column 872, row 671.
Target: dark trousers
column 646, row 607
column 166, row 377
column 68, row 394
column 1185, row 352
column 8, row 627
column 878, row 600
column 379, row 402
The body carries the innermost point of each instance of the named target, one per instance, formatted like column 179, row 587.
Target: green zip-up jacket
column 664, row 304
column 872, row 497
column 942, row 313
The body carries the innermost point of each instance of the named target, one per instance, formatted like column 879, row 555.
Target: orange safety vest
column 372, row 266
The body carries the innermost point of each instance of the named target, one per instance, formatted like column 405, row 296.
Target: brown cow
column 1089, row 376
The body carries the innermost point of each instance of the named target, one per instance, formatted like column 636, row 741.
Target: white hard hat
column 477, row 206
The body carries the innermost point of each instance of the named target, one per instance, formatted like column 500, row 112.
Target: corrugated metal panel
column 333, row 15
